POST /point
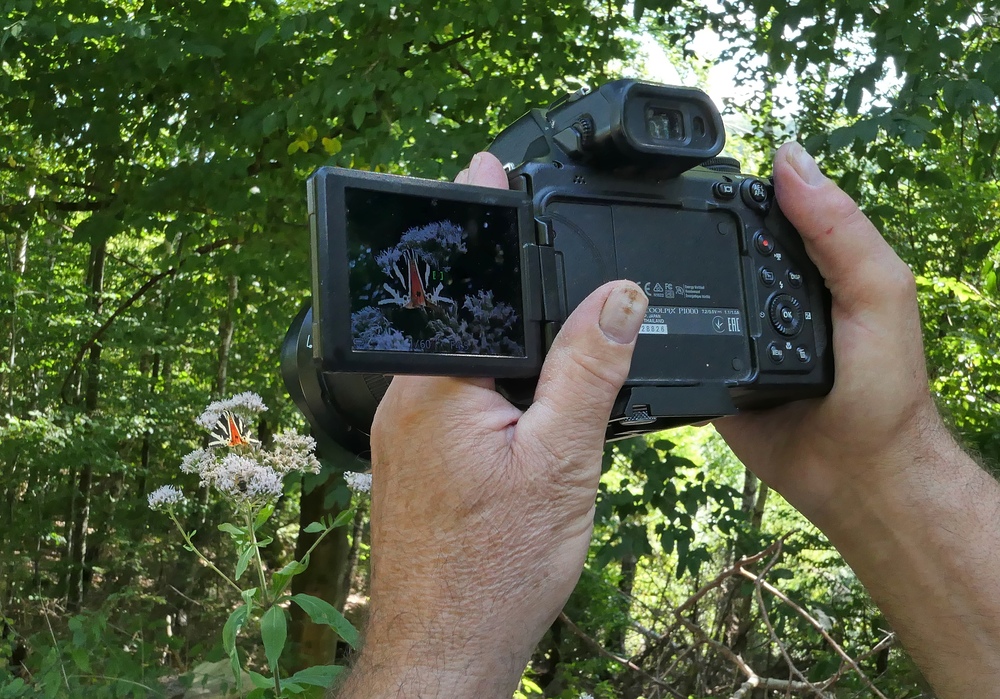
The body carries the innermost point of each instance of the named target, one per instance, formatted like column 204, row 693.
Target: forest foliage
column 155, row 249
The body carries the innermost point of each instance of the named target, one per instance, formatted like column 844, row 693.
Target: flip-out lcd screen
column 432, row 275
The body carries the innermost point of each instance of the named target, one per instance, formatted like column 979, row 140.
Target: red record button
column 763, row 242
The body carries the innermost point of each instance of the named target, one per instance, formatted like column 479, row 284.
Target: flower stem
column 187, row 540
column 250, row 518
column 258, row 561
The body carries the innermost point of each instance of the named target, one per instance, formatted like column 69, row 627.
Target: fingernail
column 623, row 312
column 475, row 166
column 805, row 166
column 462, row 177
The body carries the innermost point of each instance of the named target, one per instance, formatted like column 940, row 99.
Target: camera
column 623, row 182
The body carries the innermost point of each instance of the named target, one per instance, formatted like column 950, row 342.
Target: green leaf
column 297, row 145
column 15, row 688
column 244, row 561
column 332, row 146
column 232, row 627
column 272, row 122
column 263, row 516
column 840, row 138
column 358, row 115
column 317, row 675
column 343, row 518
column 273, row 631
column 937, row 179
column 281, row 578
column 314, row 528
column 232, row 530
column 260, row 681
column 292, row 568
column 265, row 36
column 322, row 612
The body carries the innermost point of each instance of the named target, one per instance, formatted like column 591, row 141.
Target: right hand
column 880, row 410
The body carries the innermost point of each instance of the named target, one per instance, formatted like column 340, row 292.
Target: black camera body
column 412, row 276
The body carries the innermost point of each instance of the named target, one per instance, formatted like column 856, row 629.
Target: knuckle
column 901, row 282
column 600, row 372
column 846, row 211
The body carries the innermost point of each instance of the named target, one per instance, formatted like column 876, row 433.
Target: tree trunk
column 17, row 263
column 227, row 324
column 78, row 576
column 616, row 640
column 740, row 622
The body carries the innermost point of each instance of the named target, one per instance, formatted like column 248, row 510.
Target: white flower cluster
column 292, row 452
column 165, row 497
column 248, row 474
column 359, row 482
column 246, row 405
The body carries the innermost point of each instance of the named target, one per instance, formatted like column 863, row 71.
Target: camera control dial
column 786, row 314
column 722, row 164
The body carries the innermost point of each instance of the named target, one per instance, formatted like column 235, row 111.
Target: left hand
column 481, row 514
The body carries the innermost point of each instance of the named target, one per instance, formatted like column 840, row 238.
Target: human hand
column 880, row 410
column 481, row 514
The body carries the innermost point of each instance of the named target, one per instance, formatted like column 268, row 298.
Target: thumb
column 583, row 372
column 859, row 267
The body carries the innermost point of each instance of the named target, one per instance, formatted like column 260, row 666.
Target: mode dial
column 723, row 164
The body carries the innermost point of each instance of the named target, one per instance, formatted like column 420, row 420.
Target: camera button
column 763, row 242
column 786, row 314
column 724, row 190
column 794, row 279
column 803, row 354
column 756, row 194
column 776, row 353
column 767, row 276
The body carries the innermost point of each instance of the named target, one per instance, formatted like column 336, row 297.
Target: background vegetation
column 154, row 250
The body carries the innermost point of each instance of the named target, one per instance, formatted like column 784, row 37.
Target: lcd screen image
column 433, row 275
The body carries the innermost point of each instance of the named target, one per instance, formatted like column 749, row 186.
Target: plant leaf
column 343, row 518
column 244, row 561
column 317, row 675
column 322, row 612
column 273, row 631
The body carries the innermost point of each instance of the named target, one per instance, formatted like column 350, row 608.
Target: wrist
column 880, row 489
column 403, row 659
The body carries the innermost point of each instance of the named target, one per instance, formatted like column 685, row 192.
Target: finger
column 484, row 170
column 858, row 265
column 583, row 373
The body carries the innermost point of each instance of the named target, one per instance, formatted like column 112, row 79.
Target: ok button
column 786, row 314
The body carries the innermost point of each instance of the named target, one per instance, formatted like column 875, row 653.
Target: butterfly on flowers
column 231, row 431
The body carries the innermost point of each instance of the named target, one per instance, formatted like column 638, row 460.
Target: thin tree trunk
column 616, row 641
column 354, row 554
column 227, row 324
column 741, row 623
column 79, row 579
column 17, row 263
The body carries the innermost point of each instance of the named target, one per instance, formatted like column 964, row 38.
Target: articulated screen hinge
column 546, row 283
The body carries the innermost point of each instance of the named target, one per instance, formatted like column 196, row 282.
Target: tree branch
column 139, row 293
column 819, row 627
column 603, row 652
